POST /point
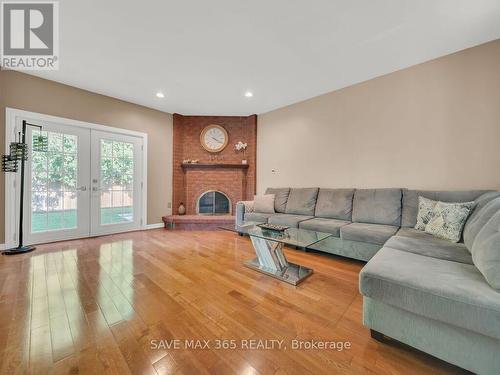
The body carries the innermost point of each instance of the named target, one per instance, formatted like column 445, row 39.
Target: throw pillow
column 248, row 206
column 449, row 219
column 425, row 212
column 264, row 204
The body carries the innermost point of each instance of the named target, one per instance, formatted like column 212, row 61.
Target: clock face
column 214, row 138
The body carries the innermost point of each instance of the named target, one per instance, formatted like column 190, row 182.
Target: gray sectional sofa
column 432, row 294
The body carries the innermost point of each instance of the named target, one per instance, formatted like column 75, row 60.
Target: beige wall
column 432, row 126
column 34, row 94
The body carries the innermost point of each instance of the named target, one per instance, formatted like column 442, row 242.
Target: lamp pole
column 20, row 247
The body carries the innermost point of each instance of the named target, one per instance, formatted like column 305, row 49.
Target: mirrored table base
column 292, row 274
column 272, row 261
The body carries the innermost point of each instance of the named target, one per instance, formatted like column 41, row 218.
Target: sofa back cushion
column 483, row 212
column 264, row 204
column 377, row 206
column 280, row 198
column 302, row 201
column 410, row 201
column 486, row 251
column 334, row 204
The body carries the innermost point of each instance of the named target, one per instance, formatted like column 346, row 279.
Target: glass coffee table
column 268, row 245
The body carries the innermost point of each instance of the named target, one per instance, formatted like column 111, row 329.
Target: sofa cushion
column 449, row 292
column 486, row 252
column 413, row 233
column 410, row 201
column 280, row 198
column 377, row 206
column 351, row 249
column 302, row 201
column 372, row 233
column 486, row 206
column 258, row 217
column 324, row 225
column 428, row 245
column 448, row 220
column 334, row 204
column 264, row 203
column 288, row 220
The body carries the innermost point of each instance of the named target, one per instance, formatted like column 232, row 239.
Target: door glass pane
column 117, row 181
column 105, row 207
column 221, row 204
column 53, row 183
column 206, row 203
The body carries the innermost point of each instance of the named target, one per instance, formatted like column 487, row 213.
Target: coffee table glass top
column 243, row 228
column 292, row 236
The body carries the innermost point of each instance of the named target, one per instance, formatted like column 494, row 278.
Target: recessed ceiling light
column 248, row 94
column 160, row 95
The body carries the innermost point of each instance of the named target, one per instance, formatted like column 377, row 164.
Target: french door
column 56, row 182
column 116, row 170
column 86, row 183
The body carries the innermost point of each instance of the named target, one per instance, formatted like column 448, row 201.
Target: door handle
column 82, row 188
column 95, row 188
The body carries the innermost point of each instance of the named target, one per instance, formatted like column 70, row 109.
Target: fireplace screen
column 213, row 203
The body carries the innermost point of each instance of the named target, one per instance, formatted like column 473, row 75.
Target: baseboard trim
column 154, row 226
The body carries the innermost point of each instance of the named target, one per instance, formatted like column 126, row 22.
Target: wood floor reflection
column 100, row 305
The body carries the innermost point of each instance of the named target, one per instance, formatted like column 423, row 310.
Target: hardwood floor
column 102, row 305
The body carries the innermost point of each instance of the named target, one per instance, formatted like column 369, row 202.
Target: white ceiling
column 204, row 54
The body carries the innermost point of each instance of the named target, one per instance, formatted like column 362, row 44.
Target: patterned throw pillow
column 425, row 212
column 449, row 219
column 248, row 206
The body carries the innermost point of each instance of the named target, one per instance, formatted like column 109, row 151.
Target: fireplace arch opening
column 213, row 202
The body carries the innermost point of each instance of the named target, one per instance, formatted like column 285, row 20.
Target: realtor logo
column 30, row 35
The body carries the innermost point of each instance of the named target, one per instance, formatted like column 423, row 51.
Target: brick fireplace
column 222, row 172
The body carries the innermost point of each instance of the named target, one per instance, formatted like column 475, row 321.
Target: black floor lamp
column 19, row 153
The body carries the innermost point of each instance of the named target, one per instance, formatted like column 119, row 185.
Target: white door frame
column 12, row 186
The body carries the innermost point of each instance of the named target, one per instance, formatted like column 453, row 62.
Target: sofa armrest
column 243, row 207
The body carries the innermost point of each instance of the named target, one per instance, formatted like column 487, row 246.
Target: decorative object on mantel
column 194, row 161
column 19, row 152
column 182, row 209
column 185, row 161
column 240, row 146
column 216, row 158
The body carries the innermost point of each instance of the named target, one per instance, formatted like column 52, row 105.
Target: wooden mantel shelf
column 214, row 165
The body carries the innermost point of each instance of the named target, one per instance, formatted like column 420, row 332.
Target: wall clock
column 214, row 138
